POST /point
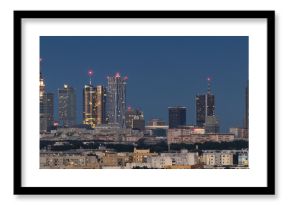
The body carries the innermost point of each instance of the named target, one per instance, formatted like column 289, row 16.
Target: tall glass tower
column 100, row 104
column 177, row 116
column 116, row 99
column 67, row 106
column 89, row 108
column 205, row 106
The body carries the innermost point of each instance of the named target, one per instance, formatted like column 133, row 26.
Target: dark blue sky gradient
column 162, row 71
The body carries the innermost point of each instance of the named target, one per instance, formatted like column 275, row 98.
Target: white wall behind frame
column 254, row 28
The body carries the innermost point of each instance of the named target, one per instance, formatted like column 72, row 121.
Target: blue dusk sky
column 162, row 71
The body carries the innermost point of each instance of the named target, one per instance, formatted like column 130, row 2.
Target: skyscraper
column 200, row 107
column 100, row 104
column 205, row 106
column 67, row 106
column 116, row 99
column 41, row 86
column 46, row 111
column 89, row 109
column 43, row 115
column 177, row 116
column 46, row 106
column 50, row 108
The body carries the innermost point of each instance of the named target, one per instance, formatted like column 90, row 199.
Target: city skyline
column 152, row 106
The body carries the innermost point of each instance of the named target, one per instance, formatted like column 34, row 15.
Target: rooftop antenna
column 90, row 74
column 208, row 85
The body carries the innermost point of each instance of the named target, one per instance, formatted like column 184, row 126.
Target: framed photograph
column 144, row 102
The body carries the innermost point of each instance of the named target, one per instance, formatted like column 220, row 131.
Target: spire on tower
column 208, row 85
column 90, row 74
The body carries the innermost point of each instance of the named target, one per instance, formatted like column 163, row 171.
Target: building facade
column 177, row 116
column 189, row 136
column 100, row 105
column 116, row 99
column 205, row 106
column 135, row 119
column 67, row 106
column 217, row 158
column 89, row 108
column 211, row 124
column 46, row 107
column 240, row 133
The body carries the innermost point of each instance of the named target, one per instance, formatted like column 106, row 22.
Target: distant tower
column 46, row 107
column 100, row 104
column 177, row 116
column 210, row 103
column 46, row 111
column 89, row 103
column 204, row 105
column 50, row 109
column 41, row 86
column 200, row 107
column 116, row 99
column 67, row 106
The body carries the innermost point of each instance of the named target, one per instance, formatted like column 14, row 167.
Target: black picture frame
column 19, row 189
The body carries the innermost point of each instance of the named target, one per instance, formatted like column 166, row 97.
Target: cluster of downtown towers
column 107, row 105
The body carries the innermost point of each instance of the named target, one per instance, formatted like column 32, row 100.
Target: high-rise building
column 205, row 106
column 41, row 86
column 100, row 104
column 67, row 106
column 46, row 112
column 46, row 106
column 50, row 108
column 116, row 99
column 177, row 116
column 89, row 108
column 43, row 115
column 135, row 119
column 200, row 107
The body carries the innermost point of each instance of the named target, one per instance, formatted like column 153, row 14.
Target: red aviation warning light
column 117, row 75
column 90, row 72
